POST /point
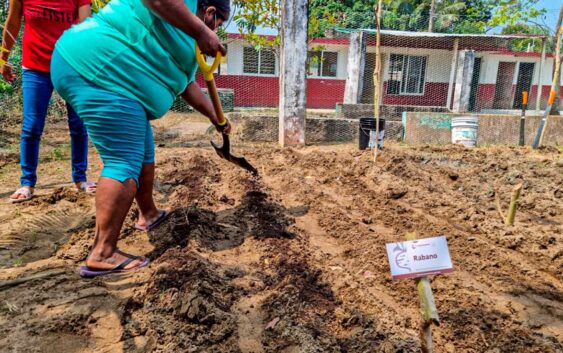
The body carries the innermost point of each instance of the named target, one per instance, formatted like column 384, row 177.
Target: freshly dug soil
column 294, row 260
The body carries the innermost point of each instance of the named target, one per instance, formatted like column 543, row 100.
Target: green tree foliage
column 413, row 15
column 451, row 16
column 534, row 45
column 344, row 13
column 253, row 14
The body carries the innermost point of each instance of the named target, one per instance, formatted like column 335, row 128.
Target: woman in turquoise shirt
column 118, row 70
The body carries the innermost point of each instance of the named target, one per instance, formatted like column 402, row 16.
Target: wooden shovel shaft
column 541, row 129
column 214, row 95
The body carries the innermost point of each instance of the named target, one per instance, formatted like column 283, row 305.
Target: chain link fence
column 456, row 69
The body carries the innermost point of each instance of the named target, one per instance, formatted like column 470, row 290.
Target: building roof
column 438, row 40
column 498, row 43
column 387, row 32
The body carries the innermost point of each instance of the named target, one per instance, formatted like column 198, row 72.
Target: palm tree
column 420, row 15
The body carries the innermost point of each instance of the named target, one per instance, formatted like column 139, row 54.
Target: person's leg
column 144, row 197
column 78, row 147
column 37, row 90
column 113, row 200
column 118, row 133
column 118, row 138
column 116, row 126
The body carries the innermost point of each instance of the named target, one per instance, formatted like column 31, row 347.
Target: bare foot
column 98, row 263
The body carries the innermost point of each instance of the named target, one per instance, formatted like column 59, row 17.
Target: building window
column 222, row 68
column 261, row 62
column 406, row 74
column 323, row 64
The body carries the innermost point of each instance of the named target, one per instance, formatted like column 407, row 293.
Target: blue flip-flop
column 161, row 218
column 88, row 273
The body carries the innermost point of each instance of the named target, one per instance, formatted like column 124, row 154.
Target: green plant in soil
column 18, row 262
column 33, row 236
column 8, row 307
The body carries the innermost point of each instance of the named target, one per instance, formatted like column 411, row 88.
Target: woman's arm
column 13, row 25
column 195, row 97
column 84, row 12
column 11, row 31
column 177, row 13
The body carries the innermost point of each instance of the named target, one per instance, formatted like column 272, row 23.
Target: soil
column 294, row 260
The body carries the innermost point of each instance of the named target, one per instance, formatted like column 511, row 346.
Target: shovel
column 523, row 118
column 225, row 150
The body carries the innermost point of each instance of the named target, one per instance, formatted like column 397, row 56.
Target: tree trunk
column 557, row 67
column 431, row 16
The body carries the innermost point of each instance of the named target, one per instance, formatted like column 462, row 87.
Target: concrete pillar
column 293, row 72
column 356, row 68
column 452, row 74
column 540, row 74
column 464, row 75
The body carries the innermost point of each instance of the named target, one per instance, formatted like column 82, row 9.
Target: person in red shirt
column 45, row 21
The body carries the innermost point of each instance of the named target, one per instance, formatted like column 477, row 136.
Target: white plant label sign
column 419, row 258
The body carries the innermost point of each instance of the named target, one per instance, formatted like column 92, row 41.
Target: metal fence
column 448, row 70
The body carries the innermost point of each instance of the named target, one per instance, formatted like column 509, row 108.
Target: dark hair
column 223, row 6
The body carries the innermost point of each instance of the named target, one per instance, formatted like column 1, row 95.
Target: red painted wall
column 435, row 95
column 544, row 96
column 486, row 96
column 250, row 91
column 322, row 93
column 263, row 91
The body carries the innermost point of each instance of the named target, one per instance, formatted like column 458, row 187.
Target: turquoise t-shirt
column 129, row 50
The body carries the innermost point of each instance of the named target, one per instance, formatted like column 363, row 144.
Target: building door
column 503, row 92
column 524, row 83
column 367, row 91
column 474, row 84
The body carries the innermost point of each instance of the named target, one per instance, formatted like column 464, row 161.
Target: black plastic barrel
column 367, row 130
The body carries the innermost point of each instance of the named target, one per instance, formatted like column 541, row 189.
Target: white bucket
column 464, row 130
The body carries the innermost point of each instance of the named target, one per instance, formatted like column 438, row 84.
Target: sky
column 552, row 7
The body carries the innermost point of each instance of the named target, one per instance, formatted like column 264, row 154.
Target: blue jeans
column 37, row 91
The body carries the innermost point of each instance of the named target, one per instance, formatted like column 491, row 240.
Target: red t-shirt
column 45, row 21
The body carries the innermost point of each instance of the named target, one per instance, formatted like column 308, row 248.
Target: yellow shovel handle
column 206, row 69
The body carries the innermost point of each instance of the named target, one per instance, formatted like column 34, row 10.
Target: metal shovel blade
column 225, row 153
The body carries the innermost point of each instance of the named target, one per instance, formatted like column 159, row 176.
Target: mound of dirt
column 187, row 306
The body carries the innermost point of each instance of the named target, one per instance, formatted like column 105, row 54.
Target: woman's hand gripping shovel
column 224, row 151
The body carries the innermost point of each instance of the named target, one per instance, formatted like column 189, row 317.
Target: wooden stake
column 428, row 307
column 556, row 83
column 556, row 107
column 513, row 205
column 377, row 79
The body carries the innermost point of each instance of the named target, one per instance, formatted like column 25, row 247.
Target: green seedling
column 18, row 262
column 57, row 154
column 34, row 236
column 9, row 307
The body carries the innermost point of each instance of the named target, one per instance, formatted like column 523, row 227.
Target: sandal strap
column 24, row 191
column 134, row 257
column 124, row 264
column 87, row 184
